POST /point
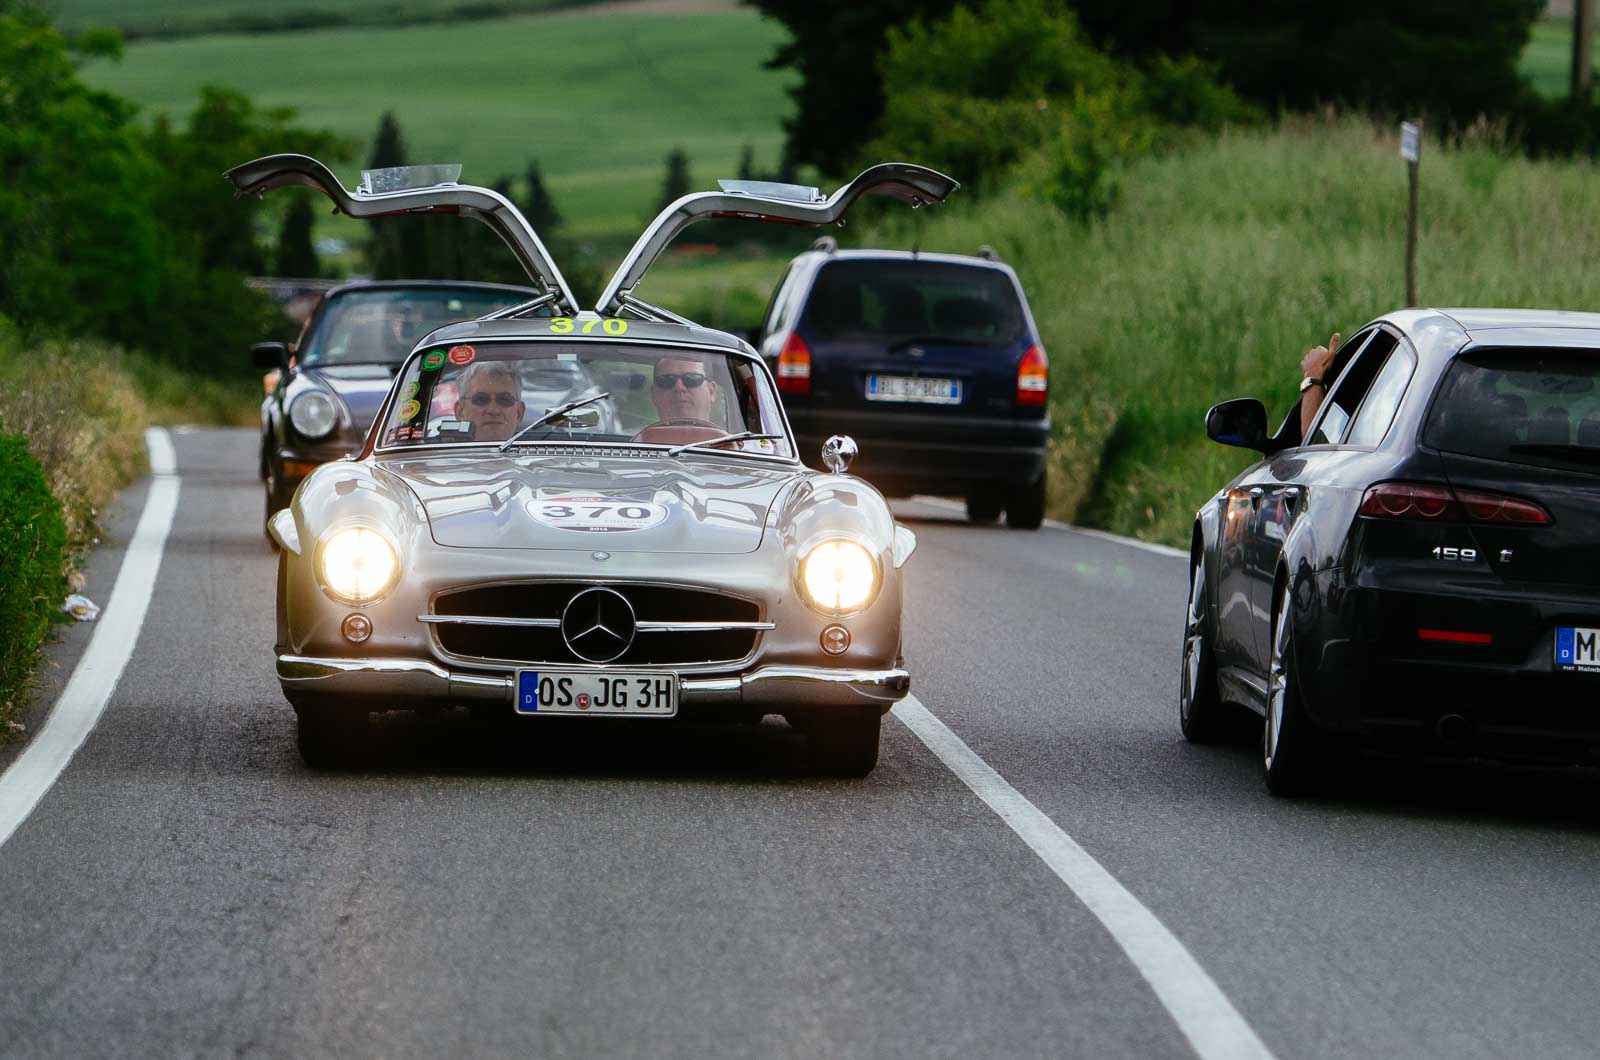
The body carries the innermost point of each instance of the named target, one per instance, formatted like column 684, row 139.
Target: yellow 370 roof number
column 567, row 325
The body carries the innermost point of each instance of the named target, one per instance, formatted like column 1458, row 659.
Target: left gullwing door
column 759, row 200
column 415, row 190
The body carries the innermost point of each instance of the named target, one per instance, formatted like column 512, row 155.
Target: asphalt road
column 187, row 887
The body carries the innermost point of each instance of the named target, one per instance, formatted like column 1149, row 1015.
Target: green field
column 599, row 98
column 171, row 18
column 1225, row 262
column 1547, row 62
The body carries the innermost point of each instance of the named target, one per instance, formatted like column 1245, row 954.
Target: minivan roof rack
column 826, row 244
column 988, row 253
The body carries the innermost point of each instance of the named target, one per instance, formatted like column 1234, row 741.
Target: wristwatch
column 1308, row 382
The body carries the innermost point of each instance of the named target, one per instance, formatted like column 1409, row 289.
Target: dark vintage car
column 931, row 361
column 570, row 513
column 1420, row 576
column 329, row 385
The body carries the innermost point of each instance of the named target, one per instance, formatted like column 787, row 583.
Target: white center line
column 96, row 675
column 1204, row 1014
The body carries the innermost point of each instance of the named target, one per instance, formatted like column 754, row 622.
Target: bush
column 32, row 540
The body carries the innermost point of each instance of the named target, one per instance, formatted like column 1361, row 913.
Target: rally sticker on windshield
column 462, row 354
column 590, row 514
column 432, row 360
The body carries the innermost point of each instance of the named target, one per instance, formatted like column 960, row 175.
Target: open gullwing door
column 415, row 190
column 762, row 201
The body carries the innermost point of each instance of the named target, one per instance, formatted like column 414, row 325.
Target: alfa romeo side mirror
column 1241, row 422
column 270, row 355
column 837, row 452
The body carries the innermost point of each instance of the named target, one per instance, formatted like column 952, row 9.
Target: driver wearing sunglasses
column 683, row 391
column 491, row 400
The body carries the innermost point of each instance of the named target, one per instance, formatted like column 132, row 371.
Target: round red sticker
column 462, row 354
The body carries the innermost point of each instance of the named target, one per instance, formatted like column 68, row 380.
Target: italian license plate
column 643, row 695
column 921, row 389
column 1578, row 648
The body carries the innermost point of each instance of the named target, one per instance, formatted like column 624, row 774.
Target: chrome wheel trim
column 1193, row 644
column 1277, row 679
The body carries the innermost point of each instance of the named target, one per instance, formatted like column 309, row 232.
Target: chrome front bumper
column 417, row 680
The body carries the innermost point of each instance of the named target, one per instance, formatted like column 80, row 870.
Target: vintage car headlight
column 312, row 414
column 839, row 576
column 358, row 565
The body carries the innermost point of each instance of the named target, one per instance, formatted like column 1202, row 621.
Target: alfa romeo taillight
column 794, row 366
column 1033, row 379
column 1434, row 503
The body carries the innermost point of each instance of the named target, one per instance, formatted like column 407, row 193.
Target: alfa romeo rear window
column 888, row 300
column 1523, row 406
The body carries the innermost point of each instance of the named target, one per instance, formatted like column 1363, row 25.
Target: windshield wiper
column 554, row 414
column 738, row 436
column 933, row 340
column 1587, row 453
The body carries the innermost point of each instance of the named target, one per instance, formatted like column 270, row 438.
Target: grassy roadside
column 72, row 416
column 1225, row 261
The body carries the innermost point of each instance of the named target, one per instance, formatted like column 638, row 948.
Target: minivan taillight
column 794, row 366
column 1434, row 503
column 1033, row 379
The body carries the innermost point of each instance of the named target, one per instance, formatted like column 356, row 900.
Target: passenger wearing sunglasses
column 491, row 400
column 682, row 391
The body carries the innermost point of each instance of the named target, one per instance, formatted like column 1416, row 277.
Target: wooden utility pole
column 1411, row 151
column 1582, row 49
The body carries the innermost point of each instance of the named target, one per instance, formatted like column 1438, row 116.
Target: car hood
column 362, row 388
column 615, row 504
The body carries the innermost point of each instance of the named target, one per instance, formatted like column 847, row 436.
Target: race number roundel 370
column 590, row 514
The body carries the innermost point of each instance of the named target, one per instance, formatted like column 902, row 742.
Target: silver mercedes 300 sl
column 568, row 513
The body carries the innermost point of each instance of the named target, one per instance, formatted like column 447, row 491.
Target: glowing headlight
column 358, row 565
column 313, row 414
column 839, row 576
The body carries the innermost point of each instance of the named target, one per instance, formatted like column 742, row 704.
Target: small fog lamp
column 356, row 628
column 836, row 640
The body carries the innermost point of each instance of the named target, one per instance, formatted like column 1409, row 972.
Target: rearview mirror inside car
column 270, row 355
column 1241, row 422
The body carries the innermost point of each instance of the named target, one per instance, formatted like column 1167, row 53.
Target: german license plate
column 921, row 389
column 1578, row 648
column 643, row 695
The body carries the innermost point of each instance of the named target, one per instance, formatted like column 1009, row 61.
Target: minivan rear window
column 1534, row 407
column 913, row 299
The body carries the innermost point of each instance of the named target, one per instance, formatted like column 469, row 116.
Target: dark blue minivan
column 931, row 362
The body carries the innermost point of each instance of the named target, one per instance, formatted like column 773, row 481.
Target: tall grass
column 1224, row 261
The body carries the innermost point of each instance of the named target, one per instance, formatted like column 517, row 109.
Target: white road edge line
column 1055, row 524
column 95, row 677
column 1204, row 1015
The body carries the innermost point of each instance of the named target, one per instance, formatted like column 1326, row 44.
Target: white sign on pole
column 1410, row 142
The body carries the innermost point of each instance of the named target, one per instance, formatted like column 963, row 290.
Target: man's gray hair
column 509, row 369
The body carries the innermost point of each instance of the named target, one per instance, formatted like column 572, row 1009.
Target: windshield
column 380, row 326
column 1526, row 407
column 929, row 300
column 488, row 392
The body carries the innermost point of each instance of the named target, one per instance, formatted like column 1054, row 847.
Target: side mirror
column 270, row 355
column 837, row 452
column 1241, row 422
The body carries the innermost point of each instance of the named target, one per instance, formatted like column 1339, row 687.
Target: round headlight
column 312, row 414
column 358, row 565
column 839, row 576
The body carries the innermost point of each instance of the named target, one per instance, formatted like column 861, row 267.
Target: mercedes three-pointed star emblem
column 598, row 625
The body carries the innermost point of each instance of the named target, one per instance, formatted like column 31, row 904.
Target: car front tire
column 1297, row 756
column 330, row 735
column 844, row 743
column 984, row 507
column 1202, row 715
column 1025, row 507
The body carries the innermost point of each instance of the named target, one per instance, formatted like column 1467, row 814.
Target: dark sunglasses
column 692, row 380
column 504, row 398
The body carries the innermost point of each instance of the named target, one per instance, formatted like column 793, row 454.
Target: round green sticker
column 409, row 411
column 432, row 360
column 409, row 391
